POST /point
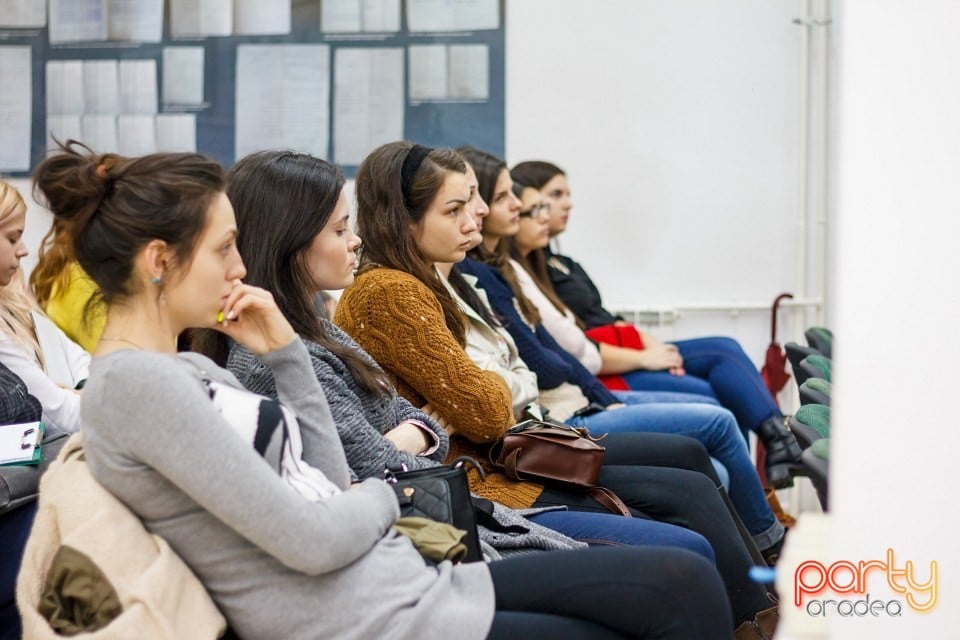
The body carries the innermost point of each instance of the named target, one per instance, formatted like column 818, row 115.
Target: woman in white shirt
column 49, row 363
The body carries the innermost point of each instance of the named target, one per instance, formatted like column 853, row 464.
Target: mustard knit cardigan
column 399, row 321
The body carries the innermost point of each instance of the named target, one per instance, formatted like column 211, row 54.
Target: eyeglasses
column 535, row 211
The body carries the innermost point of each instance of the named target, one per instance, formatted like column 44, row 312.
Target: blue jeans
column 673, row 397
column 716, row 429
column 600, row 529
column 716, row 367
column 641, row 397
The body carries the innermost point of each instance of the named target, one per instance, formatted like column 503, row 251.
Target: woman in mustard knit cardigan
column 415, row 208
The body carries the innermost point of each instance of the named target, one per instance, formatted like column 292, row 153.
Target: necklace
column 130, row 342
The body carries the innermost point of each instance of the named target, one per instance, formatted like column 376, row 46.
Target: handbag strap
column 610, row 500
column 510, row 465
column 463, row 461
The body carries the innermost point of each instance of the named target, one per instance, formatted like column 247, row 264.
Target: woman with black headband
column 416, row 210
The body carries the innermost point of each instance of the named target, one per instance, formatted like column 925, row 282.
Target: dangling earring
column 158, row 280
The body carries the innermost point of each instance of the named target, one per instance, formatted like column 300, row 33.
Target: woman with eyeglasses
column 714, row 366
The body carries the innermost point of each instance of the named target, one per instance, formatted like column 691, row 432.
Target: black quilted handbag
column 443, row 494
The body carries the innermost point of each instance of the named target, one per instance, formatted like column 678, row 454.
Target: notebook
column 20, row 443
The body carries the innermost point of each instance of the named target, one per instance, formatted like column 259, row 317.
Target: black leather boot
column 783, row 452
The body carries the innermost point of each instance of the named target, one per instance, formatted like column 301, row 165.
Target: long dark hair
column 535, row 263
column 112, row 206
column 535, row 174
column 488, row 167
column 385, row 210
column 282, row 200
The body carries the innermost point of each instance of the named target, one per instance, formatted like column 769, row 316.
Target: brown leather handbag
column 555, row 453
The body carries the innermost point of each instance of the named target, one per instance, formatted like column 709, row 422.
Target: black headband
column 411, row 164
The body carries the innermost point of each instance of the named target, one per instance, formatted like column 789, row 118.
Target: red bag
column 619, row 335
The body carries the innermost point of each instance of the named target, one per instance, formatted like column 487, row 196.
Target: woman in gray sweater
column 157, row 235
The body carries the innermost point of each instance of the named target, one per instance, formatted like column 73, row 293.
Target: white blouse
column 562, row 326
column 493, row 349
column 66, row 365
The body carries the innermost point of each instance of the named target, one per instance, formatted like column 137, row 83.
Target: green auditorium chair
column 814, row 366
column 810, row 423
column 816, row 460
column 795, row 354
column 821, row 339
column 815, row 391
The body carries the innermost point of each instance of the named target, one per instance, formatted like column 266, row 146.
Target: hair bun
column 73, row 182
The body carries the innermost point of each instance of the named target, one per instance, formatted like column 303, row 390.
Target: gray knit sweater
column 278, row 566
column 362, row 418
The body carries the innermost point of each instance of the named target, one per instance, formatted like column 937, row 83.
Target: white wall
column 897, row 302
column 676, row 123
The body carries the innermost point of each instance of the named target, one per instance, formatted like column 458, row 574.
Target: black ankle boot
column 783, row 452
column 772, row 554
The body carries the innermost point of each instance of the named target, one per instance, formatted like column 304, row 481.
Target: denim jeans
column 641, row 397
column 715, row 367
column 607, row 529
column 716, row 429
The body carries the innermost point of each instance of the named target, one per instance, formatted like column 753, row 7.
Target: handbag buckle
column 388, row 473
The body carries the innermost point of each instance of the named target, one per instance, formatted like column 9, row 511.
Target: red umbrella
column 774, row 369
column 775, row 376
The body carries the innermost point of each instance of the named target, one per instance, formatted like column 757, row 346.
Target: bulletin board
column 336, row 78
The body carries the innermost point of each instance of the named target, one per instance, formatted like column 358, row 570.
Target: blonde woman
column 49, row 363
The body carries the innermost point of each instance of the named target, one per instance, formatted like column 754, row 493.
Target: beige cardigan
column 161, row 597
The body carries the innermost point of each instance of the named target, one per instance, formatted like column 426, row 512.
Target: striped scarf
column 274, row 433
